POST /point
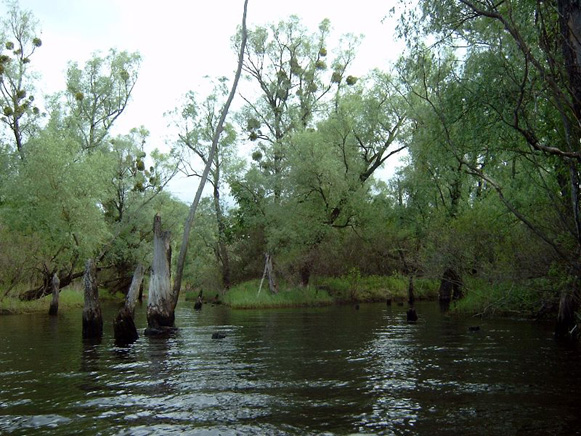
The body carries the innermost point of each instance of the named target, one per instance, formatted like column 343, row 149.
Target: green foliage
column 98, row 93
column 355, row 287
column 506, row 298
column 55, row 196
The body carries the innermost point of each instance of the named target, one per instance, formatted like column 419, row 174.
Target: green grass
column 71, row 297
column 246, row 296
column 502, row 299
column 353, row 287
column 330, row 290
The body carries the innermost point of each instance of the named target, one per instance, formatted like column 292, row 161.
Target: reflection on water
column 302, row 371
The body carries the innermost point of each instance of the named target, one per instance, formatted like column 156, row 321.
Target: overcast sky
column 183, row 41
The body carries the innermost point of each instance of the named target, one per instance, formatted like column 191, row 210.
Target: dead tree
column 124, row 324
column 54, row 304
column 92, row 316
column 216, row 138
column 161, row 304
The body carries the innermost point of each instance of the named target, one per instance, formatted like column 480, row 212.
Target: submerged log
column 124, row 325
column 92, row 316
column 161, row 304
column 54, row 304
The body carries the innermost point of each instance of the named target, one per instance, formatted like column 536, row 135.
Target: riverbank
column 535, row 298
column 531, row 299
column 69, row 298
column 331, row 290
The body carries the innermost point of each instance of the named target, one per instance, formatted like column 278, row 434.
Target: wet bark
column 45, row 288
column 450, row 286
column 411, row 295
column 124, row 325
column 161, row 305
column 54, row 304
column 567, row 323
column 269, row 270
column 92, row 316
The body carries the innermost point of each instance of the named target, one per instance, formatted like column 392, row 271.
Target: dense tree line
column 483, row 108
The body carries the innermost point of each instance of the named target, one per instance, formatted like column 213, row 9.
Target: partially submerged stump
column 450, row 286
column 566, row 317
column 54, row 304
column 411, row 295
column 161, row 304
column 124, row 325
column 92, row 316
column 412, row 315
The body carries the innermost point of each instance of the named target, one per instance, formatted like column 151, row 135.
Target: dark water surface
column 332, row 370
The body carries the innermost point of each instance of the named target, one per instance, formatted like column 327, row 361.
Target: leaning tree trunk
column 124, row 324
column 54, row 304
column 270, row 273
column 92, row 317
column 161, row 304
column 216, row 138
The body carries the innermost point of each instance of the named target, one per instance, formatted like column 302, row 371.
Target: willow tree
column 519, row 73
column 98, row 93
column 56, row 197
column 332, row 166
column 19, row 42
column 297, row 79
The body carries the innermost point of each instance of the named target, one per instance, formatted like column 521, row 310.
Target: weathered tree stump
column 92, row 316
column 161, row 304
column 412, row 315
column 54, row 304
column 566, row 317
column 411, row 296
column 450, row 286
column 124, row 325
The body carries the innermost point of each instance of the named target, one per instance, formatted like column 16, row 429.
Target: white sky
column 182, row 41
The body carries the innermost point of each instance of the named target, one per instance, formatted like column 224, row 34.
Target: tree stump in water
column 161, row 305
column 412, row 315
column 92, row 316
column 124, row 324
column 566, row 317
column 411, row 296
column 54, row 304
column 450, row 286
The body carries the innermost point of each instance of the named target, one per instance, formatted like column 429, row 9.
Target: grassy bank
column 531, row 298
column 327, row 291
column 69, row 298
column 354, row 287
column 246, row 296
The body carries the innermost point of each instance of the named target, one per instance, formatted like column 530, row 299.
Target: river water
column 333, row 370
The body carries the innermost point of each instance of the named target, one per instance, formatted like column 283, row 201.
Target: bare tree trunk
column 54, row 304
column 92, row 316
column 269, row 268
column 190, row 220
column 161, row 305
column 124, row 324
